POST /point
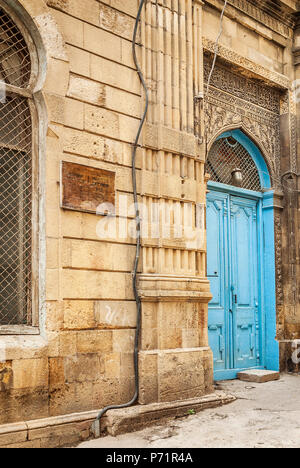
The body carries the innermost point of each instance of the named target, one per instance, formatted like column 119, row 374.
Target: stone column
column 297, row 143
column 175, row 360
column 289, row 320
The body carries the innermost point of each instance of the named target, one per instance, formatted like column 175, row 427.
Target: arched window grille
column 17, row 175
column 226, row 159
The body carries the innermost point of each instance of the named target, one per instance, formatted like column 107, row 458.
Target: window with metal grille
column 16, row 176
column 226, row 159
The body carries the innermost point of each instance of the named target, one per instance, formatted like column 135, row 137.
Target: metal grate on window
column 227, row 157
column 15, row 63
column 15, row 211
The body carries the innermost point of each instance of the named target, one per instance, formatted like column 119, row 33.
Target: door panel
column 244, row 280
column 217, row 207
column 232, row 252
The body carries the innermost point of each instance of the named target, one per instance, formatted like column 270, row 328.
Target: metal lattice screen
column 15, row 212
column 225, row 156
column 15, row 179
column 15, row 63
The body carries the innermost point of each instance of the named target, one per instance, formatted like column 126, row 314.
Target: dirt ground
column 264, row 416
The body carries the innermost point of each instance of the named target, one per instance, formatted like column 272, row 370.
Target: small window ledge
column 18, row 330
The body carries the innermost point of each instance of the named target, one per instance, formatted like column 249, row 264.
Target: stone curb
column 135, row 418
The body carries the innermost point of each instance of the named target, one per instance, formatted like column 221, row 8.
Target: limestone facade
column 79, row 355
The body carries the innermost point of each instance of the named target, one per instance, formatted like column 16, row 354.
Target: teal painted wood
column 241, row 268
column 218, row 320
column 233, row 319
column 269, row 281
column 244, row 283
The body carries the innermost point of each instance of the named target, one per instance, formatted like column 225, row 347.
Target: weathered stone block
column 30, row 373
column 74, row 113
column 52, row 285
column 79, row 61
column 123, row 341
column 71, row 28
column 114, row 74
column 115, row 314
column 97, row 285
column 86, row 90
column 121, row 101
column 24, row 404
column 106, row 392
column 83, row 368
column 258, row 376
column 79, row 315
column 89, row 11
column 113, row 365
column 97, row 256
column 181, row 375
column 148, row 368
column 56, row 373
column 57, row 68
column 51, row 36
column 102, row 43
column 14, row 438
column 6, row 376
column 54, row 320
column 102, row 122
column 62, row 400
column 94, row 341
column 67, row 343
column 116, row 22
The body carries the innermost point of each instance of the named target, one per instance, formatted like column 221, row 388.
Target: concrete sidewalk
column 264, row 416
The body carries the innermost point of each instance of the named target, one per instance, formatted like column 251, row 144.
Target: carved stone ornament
column 280, row 21
column 237, row 102
column 273, row 78
column 278, row 252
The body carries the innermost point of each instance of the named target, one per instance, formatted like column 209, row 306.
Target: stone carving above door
column 236, row 102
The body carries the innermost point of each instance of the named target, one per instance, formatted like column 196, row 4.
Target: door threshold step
column 258, row 376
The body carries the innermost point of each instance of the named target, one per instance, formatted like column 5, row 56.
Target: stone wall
column 81, row 357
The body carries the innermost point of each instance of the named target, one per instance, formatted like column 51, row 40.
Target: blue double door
column 234, row 324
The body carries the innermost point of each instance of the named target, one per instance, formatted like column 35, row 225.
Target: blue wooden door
column 232, row 264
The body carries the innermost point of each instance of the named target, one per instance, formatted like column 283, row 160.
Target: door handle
column 234, row 296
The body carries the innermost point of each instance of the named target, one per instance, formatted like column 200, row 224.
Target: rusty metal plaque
column 85, row 188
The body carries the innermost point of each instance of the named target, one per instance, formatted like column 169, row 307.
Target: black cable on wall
column 138, row 233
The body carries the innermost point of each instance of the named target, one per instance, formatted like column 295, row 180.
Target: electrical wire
column 216, row 50
column 138, row 223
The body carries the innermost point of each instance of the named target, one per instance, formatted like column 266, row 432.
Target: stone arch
column 36, row 18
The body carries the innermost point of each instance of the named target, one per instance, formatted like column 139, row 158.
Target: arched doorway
column 240, row 258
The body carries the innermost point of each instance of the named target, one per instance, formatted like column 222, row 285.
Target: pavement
column 263, row 416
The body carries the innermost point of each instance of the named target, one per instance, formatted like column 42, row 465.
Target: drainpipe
column 96, row 425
